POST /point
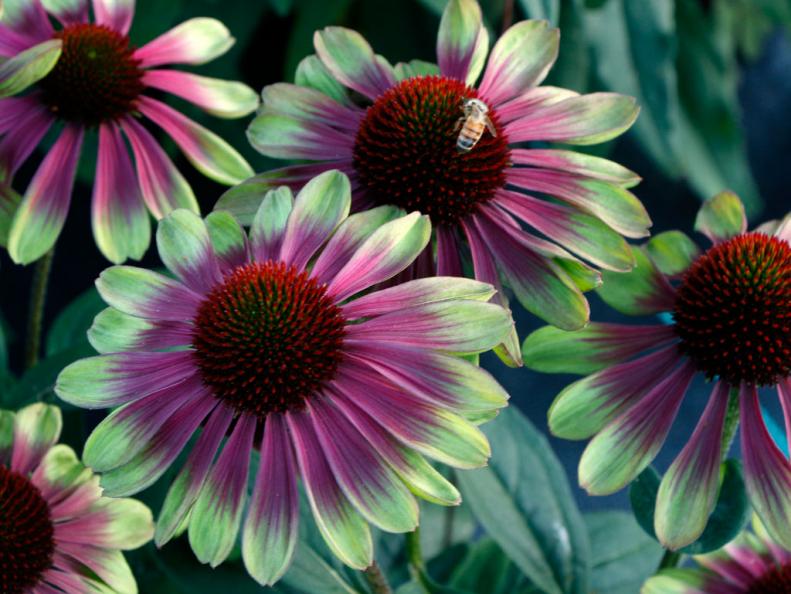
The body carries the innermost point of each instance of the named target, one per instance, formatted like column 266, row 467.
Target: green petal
column 37, row 428
column 454, row 441
column 61, row 469
column 580, row 410
column 27, row 67
column 185, row 249
column 672, row 252
column 413, row 68
column 552, row 350
column 461, row 32
column 137, row 291
column 129, row 523
column 675, row 581
column 242, row 201
column 721, row 217
column 227, row 236
column 425, row 481
column 312, row 73
column 643, row 290
column 269, row 224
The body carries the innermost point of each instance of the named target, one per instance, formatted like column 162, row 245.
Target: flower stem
column 508, row 14
column 669, row 559
column 377, row 580
column 414, row 555
column 731, row 421
column 38, row 298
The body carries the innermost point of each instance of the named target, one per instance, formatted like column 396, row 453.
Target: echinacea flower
column 394, row 130
column 731, row 312
column 100, row 82
column 278, row 343
column 57, row 532
column 753, row 563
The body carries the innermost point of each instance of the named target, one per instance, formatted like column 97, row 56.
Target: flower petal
column 343, row 528
column 618, row 453
column 113, row 332
column 59, row 474
column 672, row 252
column 389, row 250
column 110, row 380
column 413, row 68
column 351, row 60
column 585, row 119
column 576, row 163
column 594, row 347
column 369, row 484
column 115, row 14
column 118, row 214
column 68, row 12
column 185, row 248
column 217, row 514
column 284, row 136
column 321, row 205
column 195, row 41
column 269, row 224
column 28, row 67
column 462, row 41
column 28, row 123
column 122, row 524
column 643, row 290
column 36, row 429
column 304, row 103
column 228, row 239
column 221, row 98
column 586, row 406
column 312, row 73
column 163, row 187
column 147, row 294
column 270, row 530
column 520, row 59
column 210, row 154
column 109, row 565
column 688, row 491
column 721, row 217
column 40, row 217
column 767, row 472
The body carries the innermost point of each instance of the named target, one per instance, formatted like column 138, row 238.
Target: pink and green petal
column 413, row 68
column 767, row 472
column 210, row 154
column 313, row 74
column 347, row 55
column 163, row 187
column 186, row 249
column 594, row 347
column 217, row 514
column 194, row 42
column 520, row 59
column 283, row 136
column 270, row 530
column 321, row 205
column 269, row 224
column 515, row 108
column 68, row 12
column 109, row 565
column 310, row 105
column 576, row 163
column 220, row 98
column 31, row 122
column 118, row 214
column 462, row 41
column 617, row 454
column 348, row 237
column 688, row 491
column 115, row 14
column 366, row 480
column 344, row 530
column 36, row 429
column 228, row 239
column 28, row 67
column 128, row 430
column 147, row 294
column 40, row 217
column 643, row 290
column 613, row 204
column 672, row 252
column 456, row 326
column 583, row 120
column 422, row 291
column 588, row 405
column 121, row 524
column 24, row 23
column 721, row 217
column 188, row 483
column 388, row 251
column 581, row 233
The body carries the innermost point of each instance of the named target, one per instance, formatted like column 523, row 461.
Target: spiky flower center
column 776, row 581
column 405, row 151
column 268, row 338
column 733, row 310
column 96, row 78
column 26, row 533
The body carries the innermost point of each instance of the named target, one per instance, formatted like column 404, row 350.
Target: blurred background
column 713, row 78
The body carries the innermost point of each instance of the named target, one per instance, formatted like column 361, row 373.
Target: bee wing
column 489, row 126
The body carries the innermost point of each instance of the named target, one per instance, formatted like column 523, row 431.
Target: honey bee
column 472, row 124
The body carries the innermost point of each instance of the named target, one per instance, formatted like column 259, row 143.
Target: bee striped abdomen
column 470, row 134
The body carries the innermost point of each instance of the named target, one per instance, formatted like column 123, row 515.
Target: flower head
column 731, row 323
column 84, row 75
column 753, row 563
column 283, row 346
column 57, row 532
column 394, row 131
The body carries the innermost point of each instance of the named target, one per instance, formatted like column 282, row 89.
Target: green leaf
column 622, row 556
column 310, row 573
column 730, row 515
column 485, row 568
column 572, row 68
column 71, row 325
column 525, row 504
